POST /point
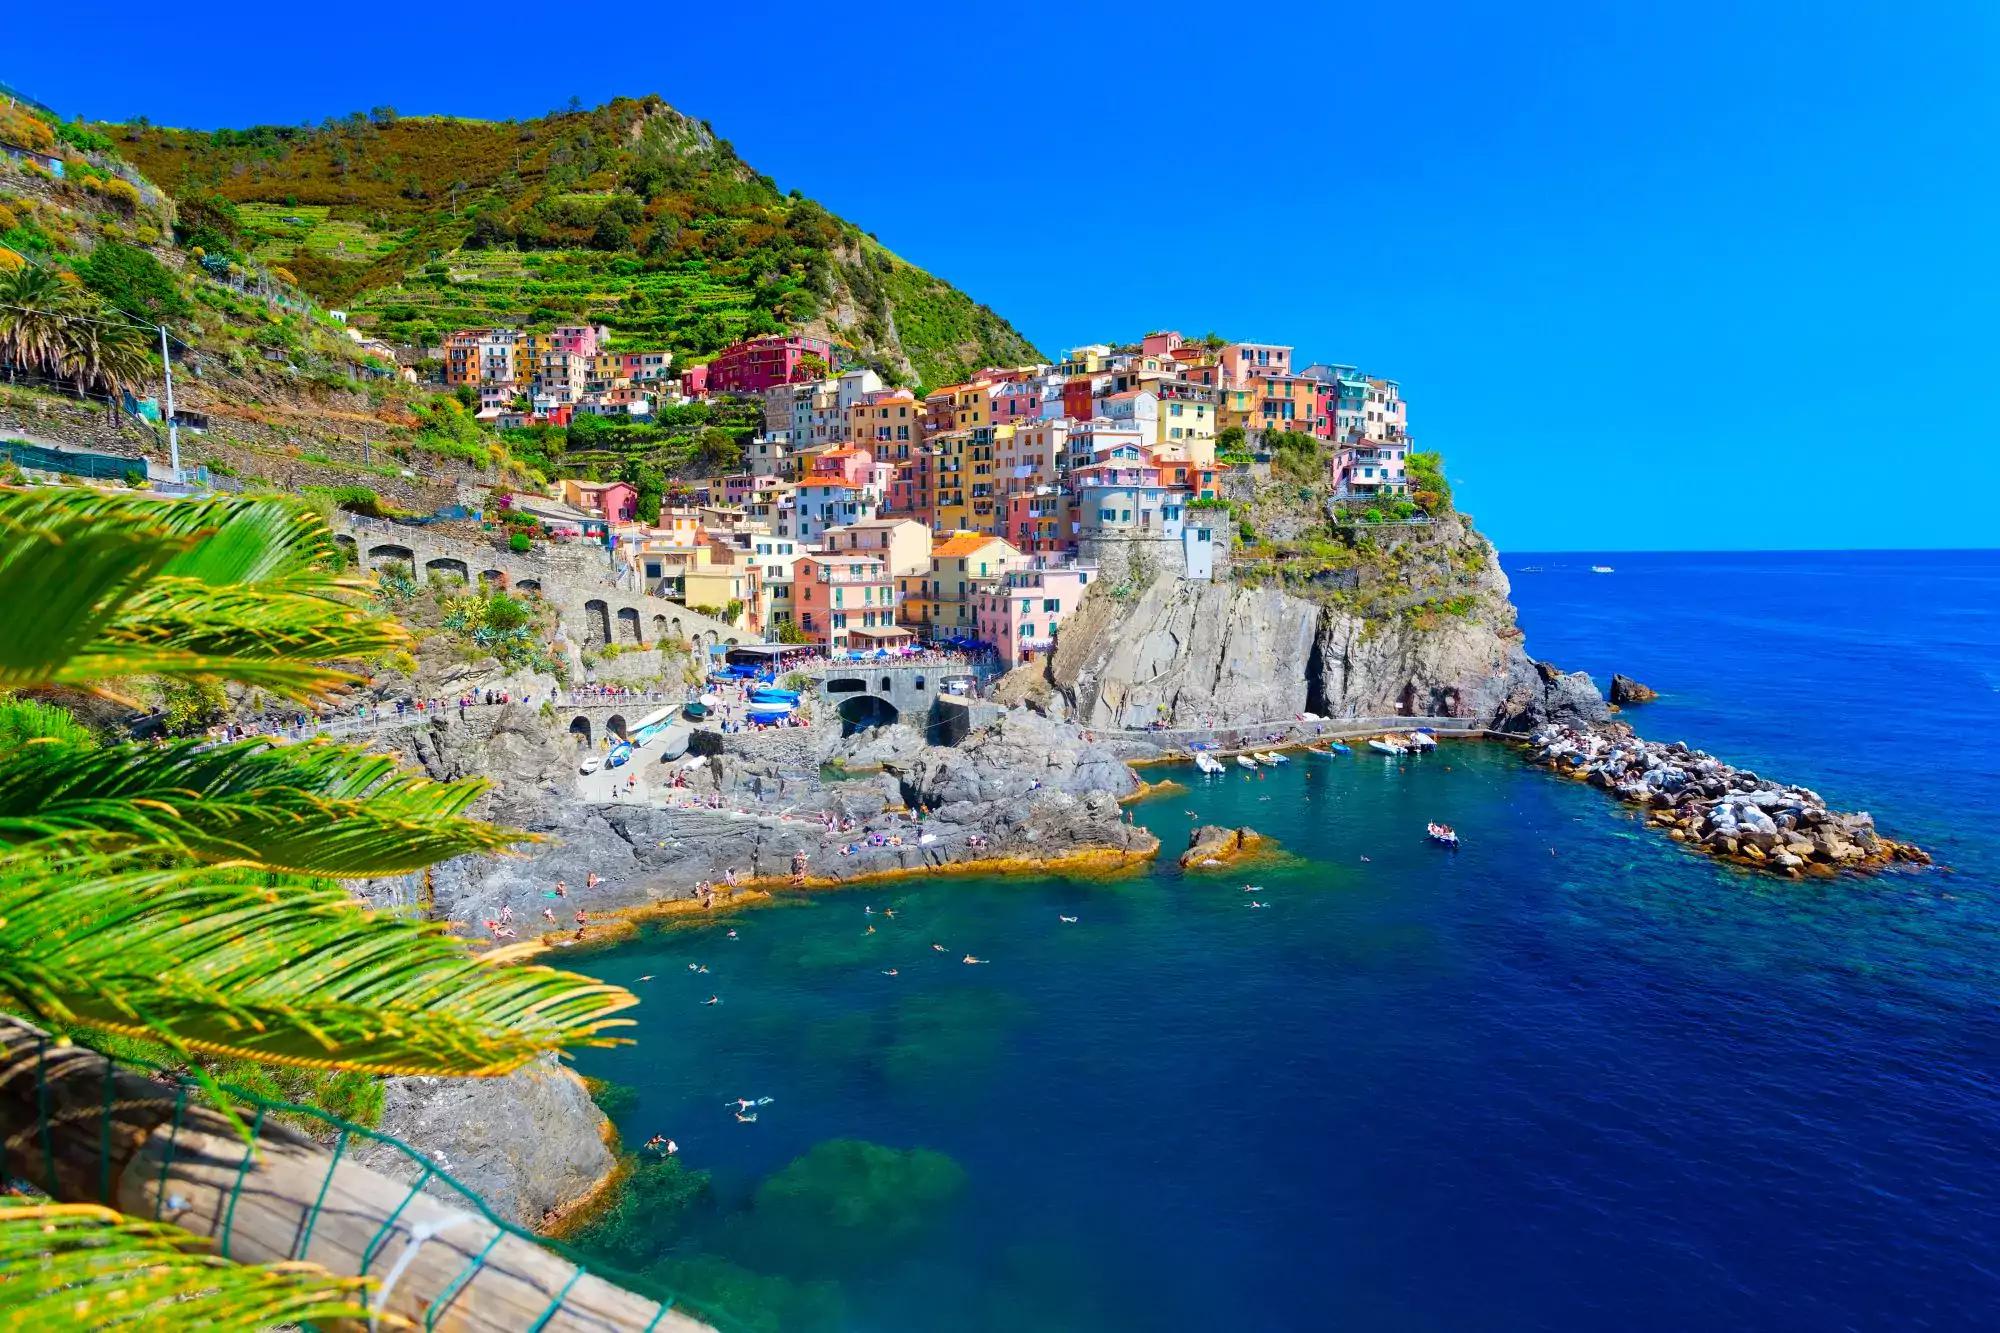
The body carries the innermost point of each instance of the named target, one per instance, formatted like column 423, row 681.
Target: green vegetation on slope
column 631, row 214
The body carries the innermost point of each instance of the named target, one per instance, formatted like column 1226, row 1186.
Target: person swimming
column 713, row 999
column 694, row 967
column 969, row 960
column 1255, row 903
column 937, row 946
column 869, row 931
column 868, row 911
column 889, row 912
column 1066, row 920
column 647, row 977
column 732, row 934
column 890, row 972
column 746, row 1118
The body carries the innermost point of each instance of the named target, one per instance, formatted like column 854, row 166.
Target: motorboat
column 1421, row 740
column 1274, row 757
column 1602, row 569
column 771, row 694
column 1340, row 747
column 1246, row 761
column 591, row 763
column 1441, row 834
column 1386, row 746
column 1207, row 762
column 620, row 754
column 695, row 710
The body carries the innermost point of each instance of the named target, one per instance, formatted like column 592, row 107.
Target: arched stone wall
column 628, row 625
column 579, row 727
column 448, row 565
column 596, row 622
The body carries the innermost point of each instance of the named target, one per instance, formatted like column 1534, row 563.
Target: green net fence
column 345, row 1135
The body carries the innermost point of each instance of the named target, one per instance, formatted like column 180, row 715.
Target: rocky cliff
column 1423, row 628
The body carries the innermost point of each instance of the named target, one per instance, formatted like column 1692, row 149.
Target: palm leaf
column 102, row 586
column 82, row 1266
column 220, row 960
column 312, row 809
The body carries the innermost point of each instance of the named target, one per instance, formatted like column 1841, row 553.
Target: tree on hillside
column 189, row 894
column 50, row 327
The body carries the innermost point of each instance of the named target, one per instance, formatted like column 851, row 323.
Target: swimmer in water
column 1066, row 920
column 890, row 972
column 889, row 912
column 868, row 911
column 1255, row 903
column 741, row 1103
column 937, row 946
column 694, row 967
column 870, row 930
column 732, row 934
column 713, row 999
column 746, row 1119
column 647, row 977
column 969, row 960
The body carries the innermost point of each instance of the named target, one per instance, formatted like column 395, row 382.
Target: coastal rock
column 1729, row 812
column 1625, row 691
column 531, row 1143
column 1212, row 847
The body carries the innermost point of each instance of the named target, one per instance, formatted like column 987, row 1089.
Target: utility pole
column 173, row 426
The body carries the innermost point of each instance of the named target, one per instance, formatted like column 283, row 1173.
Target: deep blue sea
column 1571, row 1077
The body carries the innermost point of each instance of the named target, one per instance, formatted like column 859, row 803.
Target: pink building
column 577, row 339
column 1160, row 344
column 757, row 364
column 1240, row 363
column 1038, row 521
column 1021, row 613
column 694, row 382
column 845, row 463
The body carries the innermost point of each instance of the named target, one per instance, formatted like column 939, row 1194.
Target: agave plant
column 188, row 894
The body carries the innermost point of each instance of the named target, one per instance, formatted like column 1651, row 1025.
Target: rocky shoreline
column 1728, row 812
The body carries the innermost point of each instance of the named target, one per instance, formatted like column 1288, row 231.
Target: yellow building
column 939, row 602
column 889, row 426
column 947, row 499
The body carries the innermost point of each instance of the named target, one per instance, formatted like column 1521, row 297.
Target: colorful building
column 1020, row 614
column 846, row 600
column 939, row 602
column 903, row 542
column 757, row 364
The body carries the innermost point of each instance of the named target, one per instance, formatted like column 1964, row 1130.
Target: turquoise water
column 1568, row 1077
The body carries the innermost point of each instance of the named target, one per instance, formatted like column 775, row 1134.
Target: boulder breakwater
column 1726, row 811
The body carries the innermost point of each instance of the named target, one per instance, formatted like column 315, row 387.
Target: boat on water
column 1275, row 757
column 1338, row 747
column 1444, row 835
column 1319, row 751
column 1386, row 746
column 1602, row 569
column 1246, row 761
column 1421, row 740
column 1207, row 762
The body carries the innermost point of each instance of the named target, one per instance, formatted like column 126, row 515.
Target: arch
column 888, row 685
column 383, row 552
column 493, row 578
column 528, row 585
column 596, row 623
column 710, row 638
column 864, row 711
column 660, row 629
column 348, row 547
column 448, row 565
column 628, row 625
column 674, row 629
column 920, row 682
column 730, row 641
column 845, row 685
column 579, row 727
column 615, row 725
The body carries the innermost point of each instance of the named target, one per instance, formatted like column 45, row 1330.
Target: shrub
column 518, row 541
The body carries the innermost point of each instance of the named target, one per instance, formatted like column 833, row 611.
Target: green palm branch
column 82, row 1266
column 187, row 894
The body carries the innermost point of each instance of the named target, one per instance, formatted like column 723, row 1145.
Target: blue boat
column 1338, row 748
column 770, row 694
column 619, row 754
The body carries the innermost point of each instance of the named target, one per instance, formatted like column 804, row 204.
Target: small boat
column 1441, row 834
column 620, row 754
column 1338, row 747
column 673, row 743
column 1386, row 747
column 695, row 711
column 1207, row 762
column 771, row 694
column 1274, row 757
column 590, row 764
column 1602, row 569
column 1319, row 752
column 1246, row 761
column 1421, row 740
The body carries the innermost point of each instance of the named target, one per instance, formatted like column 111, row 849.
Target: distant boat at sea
column 1602, row 569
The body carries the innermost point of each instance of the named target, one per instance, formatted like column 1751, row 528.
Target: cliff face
column 1426, row 628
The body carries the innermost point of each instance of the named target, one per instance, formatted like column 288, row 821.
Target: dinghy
column 1246, row 761
column 1386, row 746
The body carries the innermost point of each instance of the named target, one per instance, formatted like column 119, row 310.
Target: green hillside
column 630, row 214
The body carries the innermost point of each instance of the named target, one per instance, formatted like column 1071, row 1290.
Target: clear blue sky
column 1653, row 276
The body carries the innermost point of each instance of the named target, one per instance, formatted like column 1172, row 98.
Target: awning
column 884, row 632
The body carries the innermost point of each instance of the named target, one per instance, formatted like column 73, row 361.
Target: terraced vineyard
column 631, row 214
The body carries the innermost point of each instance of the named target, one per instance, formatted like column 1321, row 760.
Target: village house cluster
column 869, row 518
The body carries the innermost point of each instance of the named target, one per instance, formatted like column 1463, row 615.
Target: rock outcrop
column 1728, row 812
column 532, row 1144
column 1183, row 655
column 1211, row 847
column 1625, row 691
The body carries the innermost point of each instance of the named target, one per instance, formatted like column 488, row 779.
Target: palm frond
column 101, row 586
column 312, row 809
column 220, row 960
column 81, row 1266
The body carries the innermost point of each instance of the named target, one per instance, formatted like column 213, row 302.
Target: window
column 1051, row 604
column 1027, row 631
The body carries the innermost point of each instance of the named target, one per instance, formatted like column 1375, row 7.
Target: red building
column 757, row 364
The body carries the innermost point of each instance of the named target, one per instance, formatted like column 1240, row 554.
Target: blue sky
column 1697, row 275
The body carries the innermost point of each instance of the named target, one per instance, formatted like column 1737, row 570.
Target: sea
column 1571, row 1076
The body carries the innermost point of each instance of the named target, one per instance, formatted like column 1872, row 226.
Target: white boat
column 1276, row 758
column 590, row 764
column 1246, row 761
column 1386, row 747
column 1421, row 741
column 1442, row 834
column 1602, row 569
column 1207, row 762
